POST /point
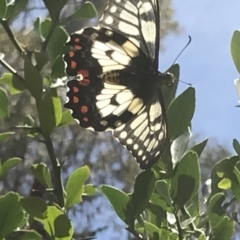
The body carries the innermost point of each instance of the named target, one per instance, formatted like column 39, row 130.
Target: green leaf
column 3, row 103
column 152, row 229
column 50, row 112
column 15, row 7
column 41, row 60
column 11, row 213
column 235, row 49
column 42, row 174
column 57, row 224
column 14, row 83
column 6, row 135
column 35, row 206
column 33, row 80
column 222, row 226
column 236, row 146
column 54, row 8
column 180, row 113
column 66, row 118
column 31, row 235
column 87, row 10
column 198, row 148
column 3, row 8
column 162, row 189
column 118, row 199
column 74, row 187
column 90, row 190
column 158, row 200
column 186, row 179
column 143, row 189
column 10, row 163
column 225, row 184
column 56, row 46
column 58, row 68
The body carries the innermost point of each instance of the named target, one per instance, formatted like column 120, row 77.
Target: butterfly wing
column 138, row 21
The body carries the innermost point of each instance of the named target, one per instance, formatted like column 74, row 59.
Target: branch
column 180, row 232
column 58, row 190
column 12, row 38
column 11, row 70
column 49, row 35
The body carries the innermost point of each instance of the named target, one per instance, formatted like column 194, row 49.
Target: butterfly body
column 116, row 84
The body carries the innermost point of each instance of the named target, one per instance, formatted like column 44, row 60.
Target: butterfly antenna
column 189, row 41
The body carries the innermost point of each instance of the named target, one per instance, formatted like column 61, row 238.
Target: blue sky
column 207, row 64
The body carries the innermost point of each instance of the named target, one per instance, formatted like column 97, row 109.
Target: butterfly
column 115, row 82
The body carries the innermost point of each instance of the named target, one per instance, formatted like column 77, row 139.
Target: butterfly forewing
column 137, row 20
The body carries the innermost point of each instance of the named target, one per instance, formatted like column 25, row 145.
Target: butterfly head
column 167, row 78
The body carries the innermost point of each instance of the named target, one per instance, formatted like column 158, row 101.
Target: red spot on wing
column 75, row 89
column 75, row 99
column 84, row 109
column 85, row 82
column 77, row 47
column 71, row 54
column 77, row 40
column 83, row 72
column 85, row 119
column 73, row 64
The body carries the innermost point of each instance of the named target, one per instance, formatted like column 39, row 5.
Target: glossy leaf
column 235, row 49
column 56, row 45
column 3, row 103
column 180, row 113
column 186, row 179
column 222, row 226
column 42, row 174
column 15, row 85
column 143, row 189
column 236, row 146
column 57, row 224
column 90, row 190
column 35, row 206
column 5, row 136
column 53, row 8
column 3, row 8
column 179, row 146
column 31, row 235
column 50, row 112
column 118, row 199
column 198, row 148
column 9, row 164
column 15, row 7
column 162, row 189
column 87, row 10
column 74, row 187
column 11, row 213
column 66, row 118
column 33, row 80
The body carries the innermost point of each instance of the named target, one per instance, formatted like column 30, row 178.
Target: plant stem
column 11, row 70
column 12, row 38
column 49, row 35
column 180, row 232
column 58, row 190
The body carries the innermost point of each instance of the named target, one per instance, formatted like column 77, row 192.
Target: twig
column 180, row 232
column 49, row 35
column 12, row 38
column 58, row 190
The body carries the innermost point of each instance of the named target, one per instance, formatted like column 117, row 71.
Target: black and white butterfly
column 116, row 84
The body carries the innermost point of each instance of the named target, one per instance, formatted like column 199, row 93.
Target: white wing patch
column 146, row 135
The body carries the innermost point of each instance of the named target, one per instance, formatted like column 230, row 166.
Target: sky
column 207, row 64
